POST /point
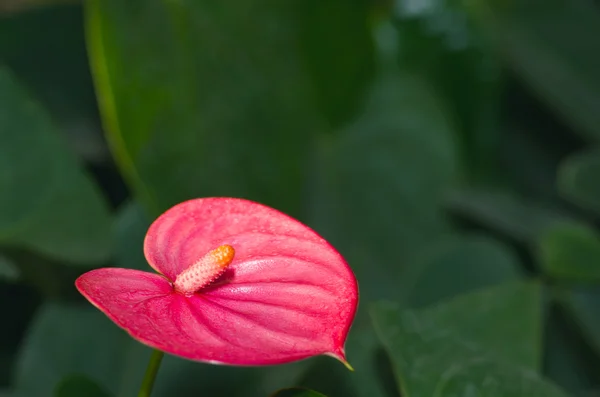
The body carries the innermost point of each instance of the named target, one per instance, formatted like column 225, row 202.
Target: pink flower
column 239, row 283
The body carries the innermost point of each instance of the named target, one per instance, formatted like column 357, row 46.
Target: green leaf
column 390, row 169
column 528, row 158
column 297, row 392
column 373, row 374
column 437, row 40
column 281, row 376
column 8, row 270
column 17, row 6
column 203, row 99
column 78, row 386
column 566, row 355
column 458, row 264
column 570, row 252
column 65, row 88
column 65, row 340
column 583, row 304
column 337, row 383
column 519, row 218
column 338, row 49
column 130, row 227
column 482, row 344
column 179, row 377
column 578, row 179
column 536, row 38
column 53, row 207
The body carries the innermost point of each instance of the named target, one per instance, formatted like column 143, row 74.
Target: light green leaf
column 458, row 264
column 570, row 252
column 47, row 203
column 536, row 38
column 485, row 343
column 578, row 179
column 78, row 386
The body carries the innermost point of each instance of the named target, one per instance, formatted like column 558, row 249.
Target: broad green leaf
column 130, row 227
column 338, row 49
column 519, row 218
column 578, row 179
column 437, row 40
column 536, row 38
column 206, row 99
column 485, row 343
column 297, row 392
column 458, row 264
column 570, row 252
column 66, row 340
column 381, row 182
column 8, row 270
column 48, row 203
column 52, row 37
column 183, row 378
column 79, row 386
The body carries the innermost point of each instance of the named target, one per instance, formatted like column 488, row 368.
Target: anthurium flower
column 238, row 283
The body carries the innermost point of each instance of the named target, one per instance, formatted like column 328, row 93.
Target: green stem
column 151, row 372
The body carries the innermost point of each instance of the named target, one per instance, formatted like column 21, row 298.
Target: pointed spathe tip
column 347, row 365
column 341, row 357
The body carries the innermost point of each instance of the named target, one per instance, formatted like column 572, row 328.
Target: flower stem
column 151, row 372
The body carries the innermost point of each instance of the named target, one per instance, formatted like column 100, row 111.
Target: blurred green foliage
column 448, row 149
column 77, row 386
column 297, row 392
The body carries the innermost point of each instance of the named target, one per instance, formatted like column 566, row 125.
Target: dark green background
column 449, row 149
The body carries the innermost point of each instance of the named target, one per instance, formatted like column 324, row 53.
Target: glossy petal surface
column 286, row 296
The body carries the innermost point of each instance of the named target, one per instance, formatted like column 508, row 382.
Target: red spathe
column 287, row 295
